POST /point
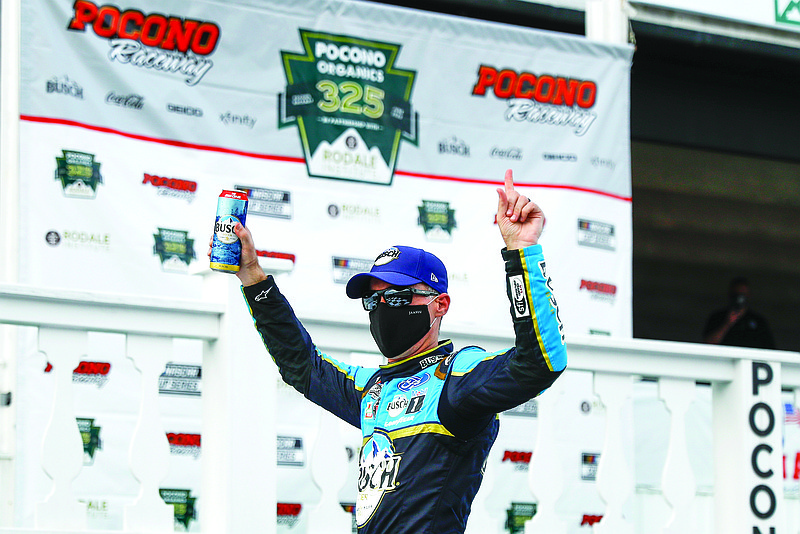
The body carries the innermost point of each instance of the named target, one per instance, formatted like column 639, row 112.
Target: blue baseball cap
column 401, row 266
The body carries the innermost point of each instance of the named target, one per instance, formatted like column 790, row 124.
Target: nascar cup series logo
column 377, row 473
column 351, row 105
column 168, row 44
column 78, row 173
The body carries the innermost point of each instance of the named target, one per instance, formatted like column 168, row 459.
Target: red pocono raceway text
column 542, row 99
column 154, row 29
column 545, row 88
column 152, row 41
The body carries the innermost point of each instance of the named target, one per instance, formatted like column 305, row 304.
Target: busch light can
column 226, row 247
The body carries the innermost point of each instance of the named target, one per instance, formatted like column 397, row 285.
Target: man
column 429, row 417
column 737, row 325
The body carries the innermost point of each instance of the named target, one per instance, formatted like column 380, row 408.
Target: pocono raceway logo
column 172, row 187
column 519, row 459
column 599, row 290
column 168, row 44
column 289, row 513
column 95, row 373
column 182, row 444
column 540, row 98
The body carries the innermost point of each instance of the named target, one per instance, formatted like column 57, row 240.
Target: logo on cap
column 387, row 255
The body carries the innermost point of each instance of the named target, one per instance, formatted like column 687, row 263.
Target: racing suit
column 429, row 421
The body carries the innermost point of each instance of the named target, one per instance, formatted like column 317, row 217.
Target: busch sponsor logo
column 379, row 473
column 540, row 98
column 171, row 44
column 397, row 405
column 131, row 101
column 454, row 146
column 64, row 86
column 596, row 234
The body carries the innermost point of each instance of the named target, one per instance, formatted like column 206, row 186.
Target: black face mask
column 395, row 330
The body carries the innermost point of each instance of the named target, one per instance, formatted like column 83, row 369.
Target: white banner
column 353, row 127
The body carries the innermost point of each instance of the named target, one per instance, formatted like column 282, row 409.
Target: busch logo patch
column 378, row 470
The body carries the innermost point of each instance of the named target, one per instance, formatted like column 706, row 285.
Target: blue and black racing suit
column 429, row 421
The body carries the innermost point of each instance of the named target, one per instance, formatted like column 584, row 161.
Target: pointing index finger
column 509, row 181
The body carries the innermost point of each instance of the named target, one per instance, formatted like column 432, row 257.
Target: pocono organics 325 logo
column 351, row 105
column 175, row 250
column 78, row 173
column 168, row 44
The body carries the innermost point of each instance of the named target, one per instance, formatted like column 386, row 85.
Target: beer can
column 226, row 249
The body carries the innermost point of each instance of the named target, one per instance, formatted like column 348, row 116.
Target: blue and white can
column 226, row 249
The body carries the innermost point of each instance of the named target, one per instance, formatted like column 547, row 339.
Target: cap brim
column 358, row 284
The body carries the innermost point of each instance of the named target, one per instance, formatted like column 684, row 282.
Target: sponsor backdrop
column 352, row 127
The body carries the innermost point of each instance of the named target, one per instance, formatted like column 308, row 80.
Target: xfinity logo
column 229, row 118
column 185, row 110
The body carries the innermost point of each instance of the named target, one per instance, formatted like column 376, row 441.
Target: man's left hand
column 520, row 220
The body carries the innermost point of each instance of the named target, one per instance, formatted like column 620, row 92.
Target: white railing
column 239, row 408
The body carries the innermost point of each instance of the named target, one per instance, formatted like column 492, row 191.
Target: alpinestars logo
column 172, row 45
column 351, row 105
column 540, row 98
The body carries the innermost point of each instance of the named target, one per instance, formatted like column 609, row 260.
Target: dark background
column 715, row 169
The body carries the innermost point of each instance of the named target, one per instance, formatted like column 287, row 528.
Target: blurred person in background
column 737, row 324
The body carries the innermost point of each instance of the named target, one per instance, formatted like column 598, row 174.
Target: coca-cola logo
column 132, row 101
column 514, row 153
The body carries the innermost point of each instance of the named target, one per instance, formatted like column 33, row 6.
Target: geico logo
column 92, row 368
column 154, row 29
column 185, row 110
column 170, row 183
column 544, row 88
